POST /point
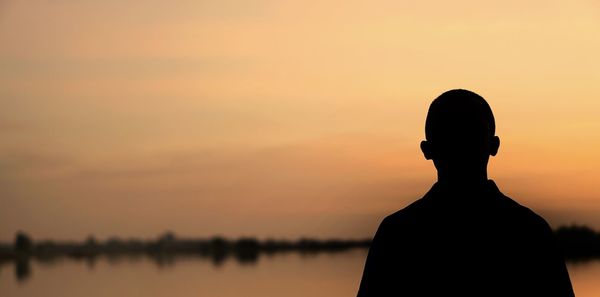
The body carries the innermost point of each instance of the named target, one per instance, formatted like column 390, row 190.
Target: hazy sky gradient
column 281, row 118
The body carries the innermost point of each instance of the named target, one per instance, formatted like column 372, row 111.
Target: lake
column 285, row 274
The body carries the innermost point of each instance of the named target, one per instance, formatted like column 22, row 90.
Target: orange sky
column 281, row 118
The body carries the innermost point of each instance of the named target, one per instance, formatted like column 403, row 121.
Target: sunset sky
column 282, row 118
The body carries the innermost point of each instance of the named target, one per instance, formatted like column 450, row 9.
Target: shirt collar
column 487, row 188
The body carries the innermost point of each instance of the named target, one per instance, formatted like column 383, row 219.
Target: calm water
column 290, row 274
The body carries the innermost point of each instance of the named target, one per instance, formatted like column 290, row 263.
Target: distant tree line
column 245, row 249
column 577, row 242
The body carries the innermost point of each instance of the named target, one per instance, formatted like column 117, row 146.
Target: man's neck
column 462, row 181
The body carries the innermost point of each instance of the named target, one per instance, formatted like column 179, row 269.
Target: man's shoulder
column 502, row 205
column 519, row 209
column 407, row 213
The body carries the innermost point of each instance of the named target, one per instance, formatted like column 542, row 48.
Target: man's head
column 460, row 132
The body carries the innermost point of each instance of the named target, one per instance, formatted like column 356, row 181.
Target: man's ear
column 427, row 149
column 494, row 145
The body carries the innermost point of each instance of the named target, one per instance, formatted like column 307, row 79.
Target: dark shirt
column 459, row 243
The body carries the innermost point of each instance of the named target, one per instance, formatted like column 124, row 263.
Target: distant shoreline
column 577, row 242
column 218, row 249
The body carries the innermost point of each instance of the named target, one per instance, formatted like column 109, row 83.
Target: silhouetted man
column 464, row 237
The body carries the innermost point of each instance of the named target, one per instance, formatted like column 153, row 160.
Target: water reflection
column 22, row 269
column 246, row 253
column 247, row 256
column 319, row 274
